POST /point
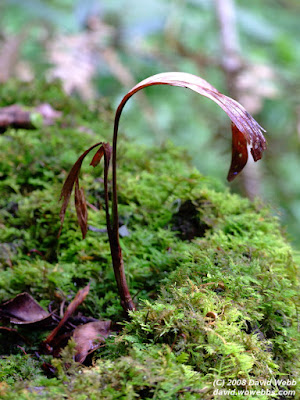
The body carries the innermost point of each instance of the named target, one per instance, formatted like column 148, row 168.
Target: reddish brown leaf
column 69, row 184
column 239, row 153
column 104, row 149
column 89, row 337
column 245, row 124
column 97, row 157
column 81, row 208
column 24, row 310
column 78, row 299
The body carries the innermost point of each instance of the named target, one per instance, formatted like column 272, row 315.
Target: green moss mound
column 213, row 275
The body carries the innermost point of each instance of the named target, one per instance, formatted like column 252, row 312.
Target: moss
column 221, row 304
column 15, row 368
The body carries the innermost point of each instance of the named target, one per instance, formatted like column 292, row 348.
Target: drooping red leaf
column 81, row 208
column 239, row 153
column 105, row 149
column 97, row 157
column 69, row 184
column 245, row 125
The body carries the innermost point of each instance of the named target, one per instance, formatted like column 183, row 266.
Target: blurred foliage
column 102, row 48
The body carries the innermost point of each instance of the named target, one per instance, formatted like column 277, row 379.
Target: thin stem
column 113, row 232
column 107, row 214
column 115, row 213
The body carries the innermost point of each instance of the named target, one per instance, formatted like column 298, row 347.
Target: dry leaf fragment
column 89, row 337
column 247, row 130
column 78, row 299
column 24, row 310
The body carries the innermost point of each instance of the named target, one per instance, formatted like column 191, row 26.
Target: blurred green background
column 248, row 50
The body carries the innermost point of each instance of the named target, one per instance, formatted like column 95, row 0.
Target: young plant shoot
column 245, row 132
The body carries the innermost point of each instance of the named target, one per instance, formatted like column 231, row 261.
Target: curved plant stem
column 245, row 131
column 115, row 247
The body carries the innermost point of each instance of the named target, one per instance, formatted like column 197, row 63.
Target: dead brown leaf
column 24, row 310
column 89, row 337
